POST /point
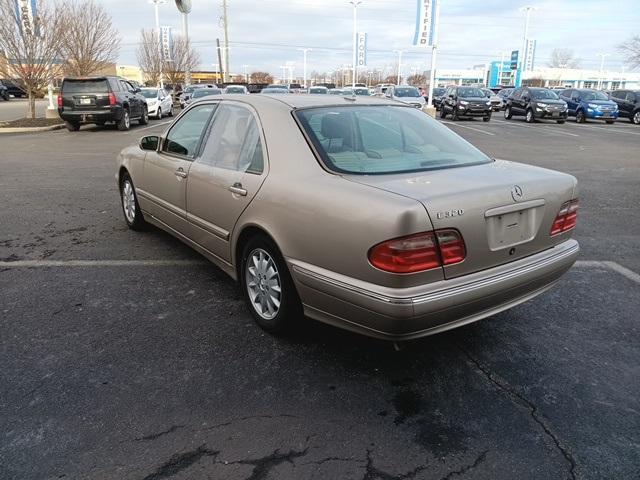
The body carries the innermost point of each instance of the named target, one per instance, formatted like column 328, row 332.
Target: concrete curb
column 31, row 129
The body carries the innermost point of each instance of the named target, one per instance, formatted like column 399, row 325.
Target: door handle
column 237, row 189
column 180, row 173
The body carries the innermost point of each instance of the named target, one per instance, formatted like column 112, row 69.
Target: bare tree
column 631, row 50
column 564, row 58
column 183, row 57
column 30, row 47
column 261, row 77
column 417, row 79
column 148, row 55
column 89, row 41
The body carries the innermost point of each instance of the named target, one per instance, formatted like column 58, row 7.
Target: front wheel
column 610, row 122
column 267, row 286
column 580, row 117
column 635, row 118
column 130, row 208
column 170, row 112
column 560, row 121
column 455, row 115
column 144, row 119
column 508, row 113
column 487, row 118
column 529, row 118
column 125, row 122
column 443, row 114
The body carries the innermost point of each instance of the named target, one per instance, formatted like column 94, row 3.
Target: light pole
column 399, row 52
column 156, row 4
column 434, row 51
column 355, row 4
column 602, row 57
column 500, row 67
column 304, row 68
column 224, row 54
column 246, row 73
column 284, row 74
column 521, row 58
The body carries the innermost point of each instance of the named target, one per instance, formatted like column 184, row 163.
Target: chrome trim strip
column 208, row 226
column 450, row 291
column 516, row 207
column 162, row 203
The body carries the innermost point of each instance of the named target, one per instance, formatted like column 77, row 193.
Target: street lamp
column 399, row 52
column 246, row 73
column 304, row 55
column 602, row 57
column 156, row 4
column 355, row 4
column 521, row 60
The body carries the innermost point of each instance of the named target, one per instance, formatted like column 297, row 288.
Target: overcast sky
column 265, row 34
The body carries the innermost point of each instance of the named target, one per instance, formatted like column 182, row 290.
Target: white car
column 159, row 102
column 236, row 89
column 406, row 94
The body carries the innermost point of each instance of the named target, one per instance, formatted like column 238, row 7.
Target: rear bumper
column 111, row 114
column 403, row 314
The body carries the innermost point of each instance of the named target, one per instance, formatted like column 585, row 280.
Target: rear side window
column 115, row 86
column 383, row 140
column 631, row 97
column 184, row 137
column 85, row 86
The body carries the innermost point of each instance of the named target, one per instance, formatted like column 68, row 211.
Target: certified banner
column 425, row 23
column 362, row 49
column 25, row 13
column 165, row 38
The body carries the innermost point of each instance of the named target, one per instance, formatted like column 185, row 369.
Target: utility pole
column 434, row 50
column 399, row 52
column 602, row 57
column 521, row 56
column 156, row 4
column 304, row 68
column 225, row 23
column 246, row 73
column 220, row 60
column 355, row 4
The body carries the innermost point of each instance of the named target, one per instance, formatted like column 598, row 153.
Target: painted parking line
column 148, row 127
column 469, row 128
column 606, row 128
column 613, row 266
column 536, row 127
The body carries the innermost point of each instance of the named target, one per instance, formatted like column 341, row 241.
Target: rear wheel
column 72, row 126
column 267, row 286
column 130, row 208
column 455, row 115
column 580, row 117
column 508, row 113
column 529, row 118
column 610, row 122
column 159, row 114
column 144, row 119
column 560, row 121
column 443, row 114
column 125, row 122
column 635, row 118
column 487, row 118
column 170, row 111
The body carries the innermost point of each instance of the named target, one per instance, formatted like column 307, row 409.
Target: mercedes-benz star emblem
column 516, row 193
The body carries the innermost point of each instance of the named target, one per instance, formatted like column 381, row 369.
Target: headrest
column 335, row 125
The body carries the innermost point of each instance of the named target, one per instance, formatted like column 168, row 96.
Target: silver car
column 359, row 212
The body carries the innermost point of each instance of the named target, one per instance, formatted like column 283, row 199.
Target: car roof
column 293, row 102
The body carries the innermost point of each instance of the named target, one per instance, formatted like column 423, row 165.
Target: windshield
column 384, row 139
column 275, row 90
column 234, row 90
column 543, row 94
column 594, row 95
column 189, row 89
column 318, row 90
column 203, row 92
column 85, row 86
column 438, row 91
column 487, row 93
column 406, row 92
column 149, row 93
column 278, row 85
column 470, row 92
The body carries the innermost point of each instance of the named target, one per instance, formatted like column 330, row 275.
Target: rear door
column 85, row 94
column 516, row 99
column 135, row 106
column 630, row 103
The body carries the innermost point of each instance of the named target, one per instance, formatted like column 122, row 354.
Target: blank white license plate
column 85, row 101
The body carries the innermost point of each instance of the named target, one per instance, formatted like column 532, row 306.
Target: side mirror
column 151, row 142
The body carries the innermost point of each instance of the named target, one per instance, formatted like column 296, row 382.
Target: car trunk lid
column 85, row 94
column 503, row 210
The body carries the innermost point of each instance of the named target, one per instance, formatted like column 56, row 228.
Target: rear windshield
column 85, row 86
column 149, row 93
column 383, row 140
column 318, row 90
column 234, row 90
column 203, row 92
column 406, row 92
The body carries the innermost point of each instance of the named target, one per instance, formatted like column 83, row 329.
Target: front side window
column 631, row 97
column 384, row 139
column 184, row 137
column 234, row 142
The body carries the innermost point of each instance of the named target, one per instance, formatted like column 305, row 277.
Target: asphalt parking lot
column 125, row 356
column 17, row 108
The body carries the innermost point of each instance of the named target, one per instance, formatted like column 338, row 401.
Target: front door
column 163, row 188
column 225, row 177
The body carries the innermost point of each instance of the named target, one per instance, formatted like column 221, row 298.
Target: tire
column 487, row 118
column 130, row 207
column 529, row 118
column 560, row 121
column 507, row 112
column 101, row 123
column 170, row 114
column 159, row 114
column 580, row 117
column 144, row 119
column 72, row 126
column 443, row 114
column 635, row 117
column 273, row 311
column 5, row 97
column 454, row 114
column 610, row 122
column 124, row 123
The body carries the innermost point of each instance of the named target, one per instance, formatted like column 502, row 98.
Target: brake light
column 112, row 99
column 566, row 219
column 60, row 101
column 418, row 252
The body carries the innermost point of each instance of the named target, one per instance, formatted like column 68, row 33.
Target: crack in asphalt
column 372, row 473
column 242, row 419
column 181, row 461
column 522, row 400
column 263, row 466
column 465, row 469
column 153, row 436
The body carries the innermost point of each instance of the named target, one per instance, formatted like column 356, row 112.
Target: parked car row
column 8, row 88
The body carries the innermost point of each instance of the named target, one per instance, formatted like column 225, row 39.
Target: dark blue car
column 585, row 103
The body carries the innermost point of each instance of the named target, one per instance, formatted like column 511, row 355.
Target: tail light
column 112, row 99
column 566, row 218
column 60, row 101
column 419, row 252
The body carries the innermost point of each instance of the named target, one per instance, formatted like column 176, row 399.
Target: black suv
column 465, row 102
column 100, row 100
column 12, row 89
column 628, row 104
column 534, row 103
column 4, row 91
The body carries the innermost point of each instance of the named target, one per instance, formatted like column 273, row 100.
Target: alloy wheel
column 128, row 201
column 127, row 120
column 636, row 118
column 263, row 283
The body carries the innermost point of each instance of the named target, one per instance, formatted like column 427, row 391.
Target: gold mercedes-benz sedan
column 359, row 212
